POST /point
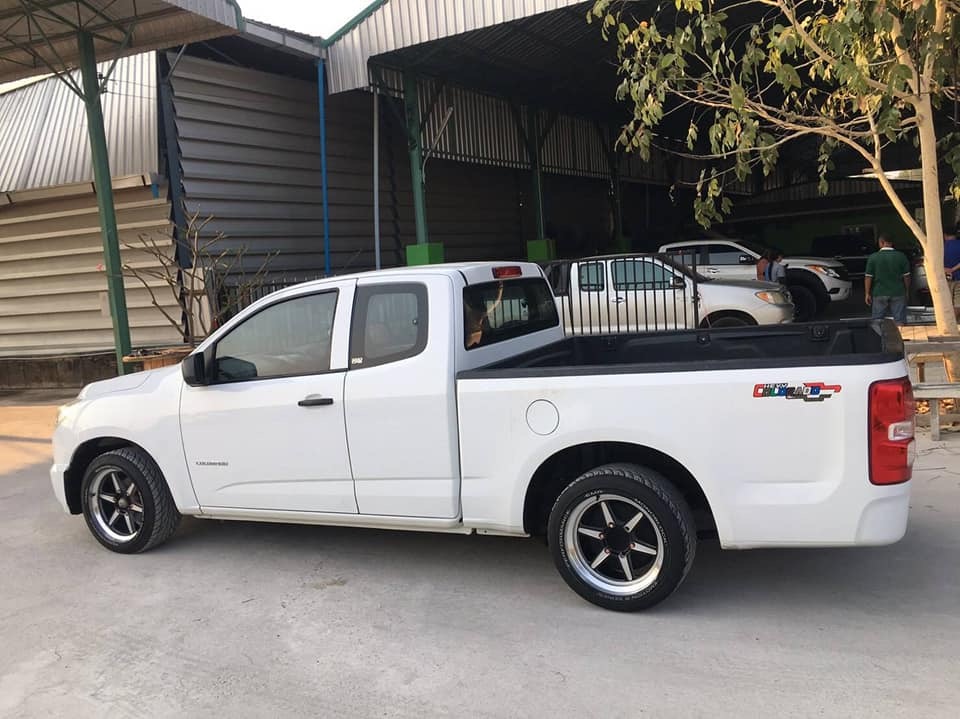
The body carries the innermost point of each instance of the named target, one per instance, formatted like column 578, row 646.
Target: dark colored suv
column 851, row 250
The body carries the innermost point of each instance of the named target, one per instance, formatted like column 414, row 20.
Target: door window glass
column 591, row 276
column 287, row 338
column 638, row 275
column 724, row 255
column 389, row 324
column 689, row 255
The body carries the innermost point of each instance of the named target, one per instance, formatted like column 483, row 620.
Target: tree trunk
column 933, row 226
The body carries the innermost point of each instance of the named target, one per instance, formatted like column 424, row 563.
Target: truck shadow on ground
column 909, row 576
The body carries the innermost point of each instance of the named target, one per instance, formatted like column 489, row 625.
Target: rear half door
column 400, row 404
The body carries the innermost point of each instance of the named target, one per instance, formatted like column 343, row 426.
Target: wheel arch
column 722, row 313
column 810, row 280
column 557, row 471
column 83, row 455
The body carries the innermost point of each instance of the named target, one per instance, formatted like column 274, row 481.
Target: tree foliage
column 749, row 76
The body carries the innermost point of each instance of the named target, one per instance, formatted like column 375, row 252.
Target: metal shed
column 58, row 35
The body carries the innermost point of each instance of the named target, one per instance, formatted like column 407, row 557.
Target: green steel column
column 108, row 217
column 533, row 133
column 414, row 143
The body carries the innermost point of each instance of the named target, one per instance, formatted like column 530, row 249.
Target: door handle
column 314, row 400
column 618, row 300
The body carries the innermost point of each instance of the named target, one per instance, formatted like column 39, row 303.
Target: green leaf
column 737, row 96
column 787, row 77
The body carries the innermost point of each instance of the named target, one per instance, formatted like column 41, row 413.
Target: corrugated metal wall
column 401, row 23
column 483, row 129
column 43, row 129
column 52, row 285
column 250, row 152
column 249, row 145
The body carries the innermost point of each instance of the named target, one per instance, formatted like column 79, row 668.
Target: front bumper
column 774, row 314
column 57, row 477
column 839, row 291
column 838, row 294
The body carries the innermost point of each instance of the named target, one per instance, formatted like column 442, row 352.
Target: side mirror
column 197, row 368
column 677, row 282
column 747, row 260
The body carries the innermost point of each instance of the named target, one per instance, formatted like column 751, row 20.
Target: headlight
column 64, row 410
column 828, row 271
column 773, row 297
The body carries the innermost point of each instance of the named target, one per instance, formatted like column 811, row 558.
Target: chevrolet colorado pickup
column 447, row 399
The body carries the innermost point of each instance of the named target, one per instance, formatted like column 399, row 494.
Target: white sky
column 316, row 17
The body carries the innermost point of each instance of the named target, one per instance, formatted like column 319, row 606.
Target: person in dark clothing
column 951, row 263
column 887, row 282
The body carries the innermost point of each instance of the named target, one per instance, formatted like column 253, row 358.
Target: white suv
column 813, row 281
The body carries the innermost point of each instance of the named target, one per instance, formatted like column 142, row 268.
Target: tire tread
column 166, row 515
column 665, row 491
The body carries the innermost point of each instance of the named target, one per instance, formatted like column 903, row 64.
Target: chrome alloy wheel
column 614, row 544
column 116, row 505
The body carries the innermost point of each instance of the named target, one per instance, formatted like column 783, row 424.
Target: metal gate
column 625, row 294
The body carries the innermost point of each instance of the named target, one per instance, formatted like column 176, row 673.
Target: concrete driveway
column 239, row 619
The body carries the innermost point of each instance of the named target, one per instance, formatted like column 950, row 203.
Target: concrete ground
column 239, row 619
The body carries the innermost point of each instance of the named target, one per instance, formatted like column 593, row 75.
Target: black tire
column 158, row 516
column 804, row 303
column 667, row 518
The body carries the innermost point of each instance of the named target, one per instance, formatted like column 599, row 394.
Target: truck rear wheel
column 622, row 537
column 126, row 502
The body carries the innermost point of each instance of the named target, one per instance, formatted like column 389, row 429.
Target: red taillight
column 512, row 271
column 891, row 416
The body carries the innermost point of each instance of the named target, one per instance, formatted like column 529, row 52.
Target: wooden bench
column 920, row 361
column 919, row 354
column 934, row 392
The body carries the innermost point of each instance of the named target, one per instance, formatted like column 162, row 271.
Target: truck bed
column 847, row 342
column 776, row 468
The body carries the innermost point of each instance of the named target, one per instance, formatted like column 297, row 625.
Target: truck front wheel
column 126, row 501
column 622, row 537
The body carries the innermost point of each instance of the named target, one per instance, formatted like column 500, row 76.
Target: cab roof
column 471, row 272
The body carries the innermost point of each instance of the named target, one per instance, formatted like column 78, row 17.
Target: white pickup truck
column 814, row 282
column 446, row 399
column 644, row 293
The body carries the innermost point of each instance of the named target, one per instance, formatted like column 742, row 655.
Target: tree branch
column 903, row 57
column 787, row 8
column 939, row 21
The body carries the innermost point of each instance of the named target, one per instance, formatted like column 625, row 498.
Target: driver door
column 269, row 432
column 647, row 296
column 728, row 262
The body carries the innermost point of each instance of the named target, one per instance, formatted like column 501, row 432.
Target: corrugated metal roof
column 33, row 35
column 43, row 129
column 402, row 23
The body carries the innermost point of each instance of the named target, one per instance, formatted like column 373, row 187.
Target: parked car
column 851, row 250
column 813, row 281
column 446, row 399
column 643, row 293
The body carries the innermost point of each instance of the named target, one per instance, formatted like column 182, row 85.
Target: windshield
column 752, row 246
column 681, row 268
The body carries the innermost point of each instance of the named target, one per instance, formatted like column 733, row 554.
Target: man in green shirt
column 887, row 282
